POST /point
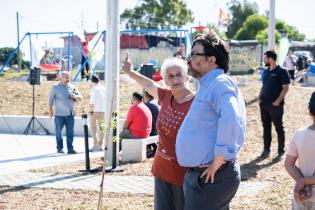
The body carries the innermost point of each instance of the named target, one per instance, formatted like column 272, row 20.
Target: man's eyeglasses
column 193, row 53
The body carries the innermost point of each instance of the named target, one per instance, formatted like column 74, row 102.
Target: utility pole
column 82, row 23
column 18, row 41
column 271, row 28
column 112, row 65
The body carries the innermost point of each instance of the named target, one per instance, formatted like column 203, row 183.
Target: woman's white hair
column 173, row 62
column 63, row 74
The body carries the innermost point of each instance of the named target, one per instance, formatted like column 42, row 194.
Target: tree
column 293, row 33
column 239, row 14
column 157, row 14
column 251, row 27
column 262, row 36
column 256, row 27
column 5, row 53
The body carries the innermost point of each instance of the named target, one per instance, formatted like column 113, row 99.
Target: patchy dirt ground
column 130, row 169
column 16, row 99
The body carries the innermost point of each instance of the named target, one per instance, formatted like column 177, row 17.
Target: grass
column 11, row 74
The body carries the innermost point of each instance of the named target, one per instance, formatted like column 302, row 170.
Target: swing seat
column 49, row 67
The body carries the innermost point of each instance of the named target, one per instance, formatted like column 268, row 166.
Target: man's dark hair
column 271, row 54
column 311, row 104
column 137, row 96
column 146, row 94
column 214, row 46
column 95, row 79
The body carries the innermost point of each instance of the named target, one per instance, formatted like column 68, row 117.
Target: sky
column 68, row 15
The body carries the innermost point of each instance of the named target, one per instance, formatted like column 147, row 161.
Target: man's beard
column 192, row 72
column 267, row 64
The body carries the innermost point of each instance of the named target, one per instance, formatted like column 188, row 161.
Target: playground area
column 265, row 184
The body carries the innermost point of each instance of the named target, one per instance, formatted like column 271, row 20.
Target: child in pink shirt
column 302, row 148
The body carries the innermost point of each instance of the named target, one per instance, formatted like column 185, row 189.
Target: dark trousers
column 292, row 74
column 212, row 196
column 86, row 69
column 167, row 196
column 272, row 114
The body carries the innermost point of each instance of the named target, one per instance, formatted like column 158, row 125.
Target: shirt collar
column 209, row 76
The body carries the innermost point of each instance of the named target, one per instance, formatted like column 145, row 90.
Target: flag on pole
column 223, row 20
column 96, row 48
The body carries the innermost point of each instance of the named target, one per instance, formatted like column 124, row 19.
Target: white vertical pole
column 271, row 31
column 112, row 64
column 18, row 40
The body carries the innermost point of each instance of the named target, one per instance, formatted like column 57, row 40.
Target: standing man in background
column 63, row 96
column 97, row 110
column 271, row 102
column 289, row 65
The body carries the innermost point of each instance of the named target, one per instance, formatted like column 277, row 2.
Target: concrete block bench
column 136, row 149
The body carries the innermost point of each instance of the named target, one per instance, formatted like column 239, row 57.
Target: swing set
column 130, row 39
column 49, row 60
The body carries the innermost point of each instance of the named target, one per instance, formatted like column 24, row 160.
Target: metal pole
column 114, row 132
column 18, row 40
column 69, row 43
column 31, row 51
column 271, row 30
column 86, row 143
column 33, row 110
column 112, row 59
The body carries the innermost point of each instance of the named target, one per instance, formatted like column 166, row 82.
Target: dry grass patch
column 40, row 199
column 130, row 169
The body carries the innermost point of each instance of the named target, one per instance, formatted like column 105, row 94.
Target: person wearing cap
column 97, row 109
column 301, row 148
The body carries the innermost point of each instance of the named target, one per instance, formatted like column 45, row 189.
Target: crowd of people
column 199, row 133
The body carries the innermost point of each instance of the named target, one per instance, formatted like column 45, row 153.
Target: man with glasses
column 213, row 130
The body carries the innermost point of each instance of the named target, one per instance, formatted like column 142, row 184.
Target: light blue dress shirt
column 60, row 98
column 215, row 124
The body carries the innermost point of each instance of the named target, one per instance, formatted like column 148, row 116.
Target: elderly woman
column 175, row 102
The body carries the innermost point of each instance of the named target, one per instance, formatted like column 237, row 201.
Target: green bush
column 5, row 53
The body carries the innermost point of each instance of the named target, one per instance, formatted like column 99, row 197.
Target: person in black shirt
column 271, row 101
column 155, row 112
